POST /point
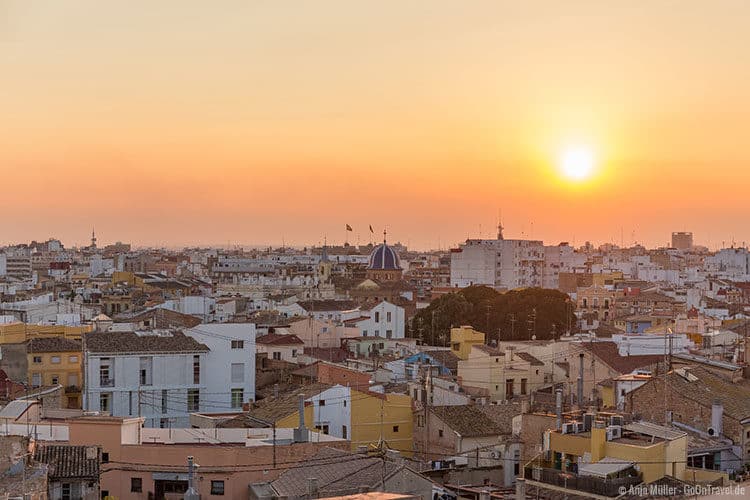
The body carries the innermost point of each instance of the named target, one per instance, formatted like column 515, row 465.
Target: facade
column 230, row 376
column 682, row 240
column 280, row 347
column 56, row 361
column 463, row 339
column 445, row 432
column 230, row 459
column 500, row 263
column 384, row 320
column 660, row 451
column 324, row 334
column 500, row 375
column 156, row 376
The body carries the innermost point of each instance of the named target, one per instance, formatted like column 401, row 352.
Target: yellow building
column 462, row 340
column 654, row 451
column 602, row 279
column 363, row 417
column 18, row 333
column 56, row 360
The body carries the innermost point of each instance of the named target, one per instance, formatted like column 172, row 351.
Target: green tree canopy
column 515, row 315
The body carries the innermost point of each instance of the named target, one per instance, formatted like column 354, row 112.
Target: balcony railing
column 610, row 487
column 106, row 382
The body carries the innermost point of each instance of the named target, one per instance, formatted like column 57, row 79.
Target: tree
column 516, row 315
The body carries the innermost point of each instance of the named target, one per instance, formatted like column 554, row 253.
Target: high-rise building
column 682, row 240
column 499, row 263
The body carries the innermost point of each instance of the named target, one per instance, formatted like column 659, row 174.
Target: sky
column 256, row 122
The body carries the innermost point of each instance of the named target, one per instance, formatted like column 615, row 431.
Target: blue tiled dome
column 384, row 257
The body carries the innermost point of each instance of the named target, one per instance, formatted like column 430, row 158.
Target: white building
column 499, row 263
column 384, row 320
column 159, row 376
column 231, row 380
column 280, row 347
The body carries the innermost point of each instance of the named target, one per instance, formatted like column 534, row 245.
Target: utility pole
column 191, row 493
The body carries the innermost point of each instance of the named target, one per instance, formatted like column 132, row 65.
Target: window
column 104, row 401
column 196, row 369
column 377, row 317
column 73, row 379
column 163, row 423
column 36, row 379
column 104, row 374
column 73, row 359
column 146, row 366
column 164, row 401
column 322, row 428
column 294, row 353
column 523, row 386
column 345, row 403
column 388, row 316
column 277, row 355
column 238, row 373
column 364, row 333
column 105, row 457
column 388, row 334
column 136, row 485
column 217, row 487
column 321, row 402
column 440, row 432
column 55, row 360
column 238, row 344
column 395, row 428
column 193, row 399
column 237, row 397
column 343, row 432
column 37, row 359
column 66, row 491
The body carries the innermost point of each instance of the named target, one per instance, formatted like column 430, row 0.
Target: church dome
column 384, row 257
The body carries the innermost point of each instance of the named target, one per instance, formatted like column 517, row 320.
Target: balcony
column 106, row 382
column 72, row 389
column 609, row 487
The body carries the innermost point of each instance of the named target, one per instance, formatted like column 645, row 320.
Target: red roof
column 278, row 339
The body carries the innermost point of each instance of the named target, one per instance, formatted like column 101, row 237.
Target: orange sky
column 184, row 122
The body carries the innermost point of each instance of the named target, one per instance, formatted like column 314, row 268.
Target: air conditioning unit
column 569, row 428
column 617, row 420
column 614, row 432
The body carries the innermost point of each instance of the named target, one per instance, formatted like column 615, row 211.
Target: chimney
column 312, row 487
column 558, row 409
column 301, row 434
column 717, row 417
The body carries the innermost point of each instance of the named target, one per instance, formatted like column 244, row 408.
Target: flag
column 371, row 230
column 349, row 228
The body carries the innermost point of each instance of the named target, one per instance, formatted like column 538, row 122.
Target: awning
column 605, row 467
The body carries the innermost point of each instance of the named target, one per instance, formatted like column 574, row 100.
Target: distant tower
column 500, row 231
column 93, row 239
column 325, row 266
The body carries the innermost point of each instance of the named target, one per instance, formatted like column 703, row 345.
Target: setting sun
column 577, row 163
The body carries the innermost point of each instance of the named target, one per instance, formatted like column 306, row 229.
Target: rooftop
column 131, row 342
column 53, row 344
column 69, row 461
column 468, row 421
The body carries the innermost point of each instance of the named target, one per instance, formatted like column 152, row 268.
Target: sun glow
column 577, row 162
